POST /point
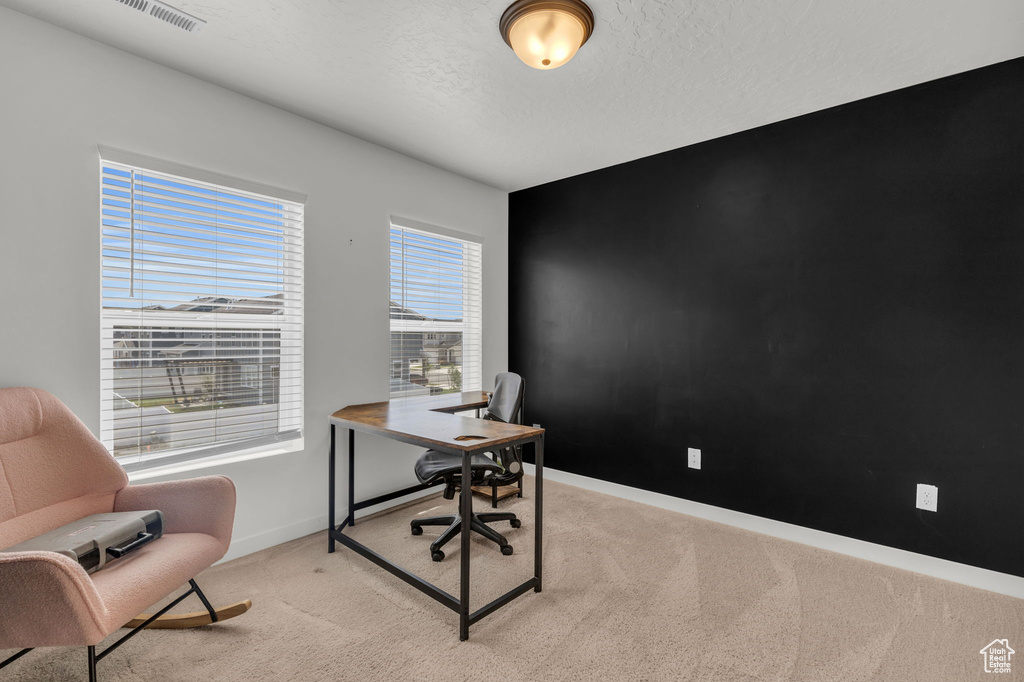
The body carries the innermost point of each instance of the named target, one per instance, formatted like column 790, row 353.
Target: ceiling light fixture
column 546, row 33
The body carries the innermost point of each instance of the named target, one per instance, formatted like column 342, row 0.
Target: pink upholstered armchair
column 52, row 472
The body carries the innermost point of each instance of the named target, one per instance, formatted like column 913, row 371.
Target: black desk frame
column 460, row 604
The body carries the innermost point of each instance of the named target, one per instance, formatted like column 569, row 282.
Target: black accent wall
column 830, row 307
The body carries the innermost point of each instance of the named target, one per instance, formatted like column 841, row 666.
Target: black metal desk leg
column 466, row 506
column 351, row 477
column 538, row 506
column 331, row 522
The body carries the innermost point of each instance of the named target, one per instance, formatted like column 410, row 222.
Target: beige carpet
column 631, row 592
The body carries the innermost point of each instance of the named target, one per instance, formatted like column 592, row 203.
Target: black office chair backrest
column 507, row 401
column 506, row 405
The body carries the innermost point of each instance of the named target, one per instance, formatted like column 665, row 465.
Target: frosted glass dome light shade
column 546, row 33
column 546, row 39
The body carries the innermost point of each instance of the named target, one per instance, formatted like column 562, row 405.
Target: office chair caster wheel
column 515, row 523
column 437, row 555
column 417, row 530
column 506, row 550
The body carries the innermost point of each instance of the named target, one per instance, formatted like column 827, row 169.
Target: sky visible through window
column 174, row 257
column 429, row 278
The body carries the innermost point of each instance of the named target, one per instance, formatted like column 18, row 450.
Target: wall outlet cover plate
column 927, row 497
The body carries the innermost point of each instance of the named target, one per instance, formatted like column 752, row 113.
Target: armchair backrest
column 52, row 469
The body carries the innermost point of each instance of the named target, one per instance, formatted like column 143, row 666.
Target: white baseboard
column 973, row 576
column 291, row 531
column 275, row 536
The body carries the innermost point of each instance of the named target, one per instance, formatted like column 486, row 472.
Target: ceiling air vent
column 164, row 12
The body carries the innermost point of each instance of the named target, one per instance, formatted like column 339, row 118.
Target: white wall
column 62, row 94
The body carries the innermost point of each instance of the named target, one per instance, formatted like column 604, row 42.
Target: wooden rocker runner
column 179, row 621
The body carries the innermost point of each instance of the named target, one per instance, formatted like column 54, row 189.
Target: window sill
column 258, row 452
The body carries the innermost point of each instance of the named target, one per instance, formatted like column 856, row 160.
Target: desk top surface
column 429, row 421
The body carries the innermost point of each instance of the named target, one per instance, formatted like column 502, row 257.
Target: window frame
column 292, row 326
column 470, row 329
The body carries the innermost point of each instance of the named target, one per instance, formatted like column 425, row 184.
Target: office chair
column 506, row 466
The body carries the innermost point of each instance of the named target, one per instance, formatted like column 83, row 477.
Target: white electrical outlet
column 693, row 458
column 927, row 497
column 536, row 426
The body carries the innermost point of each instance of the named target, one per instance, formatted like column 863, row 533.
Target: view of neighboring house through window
column 201, row 316
column 435, row 312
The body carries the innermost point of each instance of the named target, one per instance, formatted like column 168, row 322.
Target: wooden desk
column 430, row 422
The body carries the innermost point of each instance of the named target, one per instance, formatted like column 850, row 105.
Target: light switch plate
column 693, row 458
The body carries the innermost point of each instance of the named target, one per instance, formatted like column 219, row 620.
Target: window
column 435, row 311
column 201, row 313
column 251, row 376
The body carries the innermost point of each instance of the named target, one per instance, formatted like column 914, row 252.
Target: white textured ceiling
column 433, row 79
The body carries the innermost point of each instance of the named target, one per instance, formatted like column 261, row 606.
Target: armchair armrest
column 193, row 505
column 47, row 599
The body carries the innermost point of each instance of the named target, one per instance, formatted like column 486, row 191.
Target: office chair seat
column 433, row 465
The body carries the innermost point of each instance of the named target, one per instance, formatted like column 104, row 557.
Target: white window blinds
column 201, row 316
column 435, row 312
